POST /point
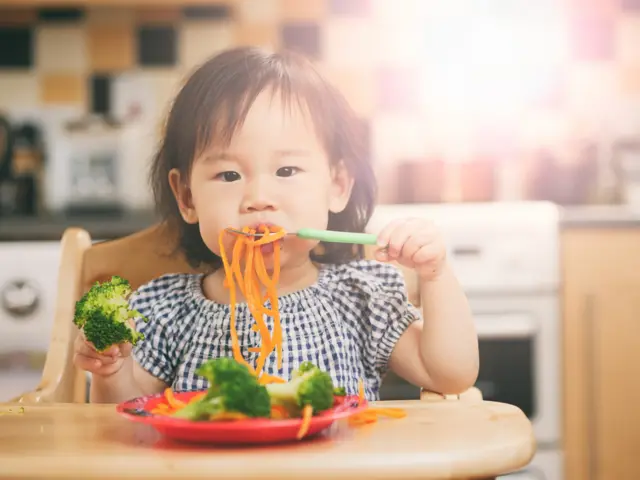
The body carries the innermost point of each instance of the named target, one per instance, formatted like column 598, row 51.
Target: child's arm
column 439, row 353
column 129, row 382
column 445, row 342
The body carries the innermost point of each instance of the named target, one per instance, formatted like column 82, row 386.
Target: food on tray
column 235, row 393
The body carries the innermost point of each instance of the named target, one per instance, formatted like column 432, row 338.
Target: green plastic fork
column 330, row 236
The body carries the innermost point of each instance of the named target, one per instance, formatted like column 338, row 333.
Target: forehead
column 273, row 117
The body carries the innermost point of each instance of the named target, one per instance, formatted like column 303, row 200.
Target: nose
column 258, row 197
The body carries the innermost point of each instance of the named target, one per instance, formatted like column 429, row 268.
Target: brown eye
column 287, row 171
column 228, row 176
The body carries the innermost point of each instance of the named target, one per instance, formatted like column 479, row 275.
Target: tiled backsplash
column 372, row 49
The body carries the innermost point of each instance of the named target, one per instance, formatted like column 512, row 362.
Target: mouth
column 263, row 226
column 259, row 229
column 256, row 229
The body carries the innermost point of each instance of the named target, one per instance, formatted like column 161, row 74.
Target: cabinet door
column 602, row 362
column 615, row 435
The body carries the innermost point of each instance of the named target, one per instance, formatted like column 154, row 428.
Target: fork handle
column 337, row 237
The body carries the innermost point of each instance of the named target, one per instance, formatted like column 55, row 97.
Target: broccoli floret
column 304, row 368
column 309, row 385
column 340, row 392
column 103, row 314
column 232, row 389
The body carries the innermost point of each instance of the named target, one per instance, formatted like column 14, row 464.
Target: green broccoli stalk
column 308, row 386
column 103, row 314
column 232, row 389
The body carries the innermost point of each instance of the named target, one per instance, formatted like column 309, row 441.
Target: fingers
column 428, row 253
column 96, row 366
column 385, row 234
column 413, row 243
column 402, row 239
column 124, row 349
column 88, row 358
column 419, row 241
column 86, row 363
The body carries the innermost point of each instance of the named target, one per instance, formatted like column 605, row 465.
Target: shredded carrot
column 307, row 414
column 361, row 391
column 172, row 404
column 173, row 401
column 371, row 414
column 279, row 412
column 197, row 397
column 231, row 285
column 247, row 272
column 266, row 378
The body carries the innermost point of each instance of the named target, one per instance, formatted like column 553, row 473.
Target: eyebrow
column 293, row 153
column 215, row 156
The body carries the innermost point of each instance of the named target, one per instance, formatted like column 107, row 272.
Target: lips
column 259, row 225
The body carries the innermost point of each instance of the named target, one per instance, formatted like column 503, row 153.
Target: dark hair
column 213, row 104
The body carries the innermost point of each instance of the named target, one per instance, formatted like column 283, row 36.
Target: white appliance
column 506, row 257
column 28, row 288
column 96, row 165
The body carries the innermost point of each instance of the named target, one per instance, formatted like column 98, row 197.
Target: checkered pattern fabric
column 347, row 323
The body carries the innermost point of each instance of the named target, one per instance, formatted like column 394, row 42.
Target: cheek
column 210, row 235
column 214, row 215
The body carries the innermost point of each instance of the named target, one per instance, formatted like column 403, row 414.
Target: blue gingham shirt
column 347, row 323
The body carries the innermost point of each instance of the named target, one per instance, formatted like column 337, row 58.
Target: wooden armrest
column 472, row 395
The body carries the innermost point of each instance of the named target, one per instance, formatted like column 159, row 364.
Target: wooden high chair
column 139, row 258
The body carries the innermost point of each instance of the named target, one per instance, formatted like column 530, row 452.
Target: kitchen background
column 489, row 100
column 515, row 123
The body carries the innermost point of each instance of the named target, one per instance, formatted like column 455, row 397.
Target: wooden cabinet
column 601, row 269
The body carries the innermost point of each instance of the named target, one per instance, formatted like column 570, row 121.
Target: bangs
column 228, row 99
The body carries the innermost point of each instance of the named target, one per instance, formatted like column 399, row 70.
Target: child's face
column 275, row 170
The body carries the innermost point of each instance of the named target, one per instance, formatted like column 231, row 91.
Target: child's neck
column 293, row 277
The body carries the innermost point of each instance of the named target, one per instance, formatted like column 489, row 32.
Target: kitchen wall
column 524, row 101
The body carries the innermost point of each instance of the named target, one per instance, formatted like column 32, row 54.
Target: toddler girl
column 258, row 138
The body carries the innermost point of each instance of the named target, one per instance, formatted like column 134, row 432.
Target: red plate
column 251, row 431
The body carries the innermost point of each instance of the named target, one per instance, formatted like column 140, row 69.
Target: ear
column 341, row 187
column 182, row 194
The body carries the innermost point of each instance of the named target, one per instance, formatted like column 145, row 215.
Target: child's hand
column 99, row 363
column 413, row 243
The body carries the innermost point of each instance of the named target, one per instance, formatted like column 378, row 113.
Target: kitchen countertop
column 600, row 216
column 51, row 227
column 439, row 439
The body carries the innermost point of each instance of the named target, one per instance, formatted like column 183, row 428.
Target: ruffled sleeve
column 375, row 299
column 160, row 302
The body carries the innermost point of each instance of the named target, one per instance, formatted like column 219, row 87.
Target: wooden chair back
column 139, row 258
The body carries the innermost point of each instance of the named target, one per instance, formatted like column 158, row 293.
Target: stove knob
column 19, row 298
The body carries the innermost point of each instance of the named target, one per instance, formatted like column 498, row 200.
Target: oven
column 519, row 357
column 519, row 364
column 28, row 289
column 506, row 257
